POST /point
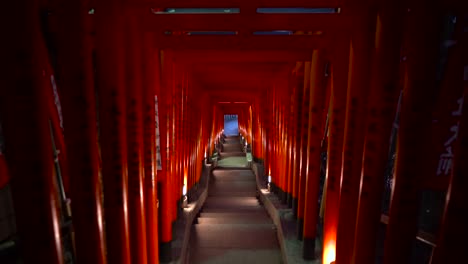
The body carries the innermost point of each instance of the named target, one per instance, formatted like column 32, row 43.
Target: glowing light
column 184, row 187
column 269, row 178
column 329, row 253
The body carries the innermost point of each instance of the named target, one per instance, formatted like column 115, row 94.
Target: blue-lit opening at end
column 231, row 125
column 208, row 33
column 197, row 11
column 296, row 10
column 274, row 32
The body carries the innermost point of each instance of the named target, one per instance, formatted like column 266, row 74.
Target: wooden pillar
column 317, row 95
column 299, row 74
column 339, row 79
column 291, row 139
column 77, row 91
column 112, row 126
column 420, row 47
column 165, row 211
column 449, row 249
column 303, row 153
column 28, row 147
column 356, row 104
column 151, row 80
column 383, row 96
column 136, row 176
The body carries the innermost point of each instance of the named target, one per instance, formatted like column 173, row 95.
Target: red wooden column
column 178, row 154
column 112, row 125
column 171, row 142
column 165, row 205
column 25, row 121
column 303, row 153
column 77, row 92
column 136, row 176
column 271, row 145
column 356, row 103
column 339, row 79
column 298, row 124
column 317, row 95
column 284, row 159
column 282, row 154
column 383, row 96
column 449, row 249
column 150, row 81
column 291, row 138
column 421, row 45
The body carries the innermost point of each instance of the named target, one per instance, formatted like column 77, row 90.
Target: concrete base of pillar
column 289, row 200
column 308, row 248
column 273, row 188
column 300, row 228
column 284, row 197
column 165, row 252
column 179, row 208
column 294, row 207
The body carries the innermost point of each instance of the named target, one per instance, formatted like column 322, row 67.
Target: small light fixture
column 184, row 196
column 269, row 185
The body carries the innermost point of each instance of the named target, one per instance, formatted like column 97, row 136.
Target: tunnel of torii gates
column 125, row 102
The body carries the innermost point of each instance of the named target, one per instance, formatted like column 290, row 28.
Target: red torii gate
column 194, row 72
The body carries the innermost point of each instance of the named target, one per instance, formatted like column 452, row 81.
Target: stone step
column 227, row 154
column 233, row 214
column 234, row 256
column 231, row 201
column 235, row 236
column 250, row 209
column 235, row 220
column 233, row 177
column 232, row 184
column 232, row 194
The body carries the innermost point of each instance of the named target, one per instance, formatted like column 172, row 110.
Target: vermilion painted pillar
column 290, row 140
column 446, row 114
column 136, row 176
column 421, row 45
column 171, row 129
column 286, row 152
column 282, row 157
column 449, row 247
column 165, row 205
column 292, row 134
column 383, row 96
column 77, row 93
column 151, row 80
column 303, row 153
column 317, row 96
column 339, row 79
column 356, row 103
column 25, row 121
column 112, row 126
column 299, row 75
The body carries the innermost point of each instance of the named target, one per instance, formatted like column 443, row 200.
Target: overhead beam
column 234, row 56
column 240, row 3
column 296, row 42
column 246, row 22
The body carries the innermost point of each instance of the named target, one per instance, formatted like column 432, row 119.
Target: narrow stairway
column 233, row 227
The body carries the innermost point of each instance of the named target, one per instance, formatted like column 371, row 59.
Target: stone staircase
column 232, row 147
column 233, row 227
